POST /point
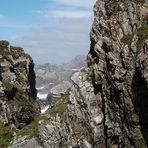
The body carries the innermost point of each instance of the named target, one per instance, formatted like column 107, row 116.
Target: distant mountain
column 76, row 63
column 48, row 75
column 52, row 81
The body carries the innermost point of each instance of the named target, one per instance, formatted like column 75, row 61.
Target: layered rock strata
column 17, row 86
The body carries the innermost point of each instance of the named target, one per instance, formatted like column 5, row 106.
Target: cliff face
column 17, row 86
column 107, row 105
column 118, row 67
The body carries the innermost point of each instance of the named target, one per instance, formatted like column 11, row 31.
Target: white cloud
column 78, row 3
column 76, row 9
column 66, row 39
column 59, row 44
column 65, row 14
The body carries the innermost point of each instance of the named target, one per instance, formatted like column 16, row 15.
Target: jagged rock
column 107, row 105
column 17, row 88
column 52, row 133
column 60, row 89
column 49, row 75
column 25, row 142
column 22, row 117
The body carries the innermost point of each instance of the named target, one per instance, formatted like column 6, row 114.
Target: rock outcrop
column 17, row 87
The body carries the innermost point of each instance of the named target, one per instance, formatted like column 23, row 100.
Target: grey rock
column 25, row 142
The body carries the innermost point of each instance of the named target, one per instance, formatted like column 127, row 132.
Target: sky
column 51, row 31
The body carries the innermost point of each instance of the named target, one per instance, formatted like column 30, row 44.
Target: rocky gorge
column 52, row 81
column 107, row 105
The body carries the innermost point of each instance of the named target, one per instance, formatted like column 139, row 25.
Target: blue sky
column 52, row 31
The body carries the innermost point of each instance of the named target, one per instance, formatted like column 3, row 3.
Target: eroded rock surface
column 107, row 105
column 17, row 86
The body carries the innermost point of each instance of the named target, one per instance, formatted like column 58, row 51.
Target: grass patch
column 31, row 129
column 59, row 108
column 143, row 144
column 19, row 96
column 127, row 39
column 6, row 135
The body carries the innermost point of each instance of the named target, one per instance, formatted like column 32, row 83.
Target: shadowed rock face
column 32, row 81
column 17, row 86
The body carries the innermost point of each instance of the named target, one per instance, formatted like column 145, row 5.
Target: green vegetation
column 6, row 135
column 127, row 39
column 142, row 34
column 5, row 51
column 7, row 85
column 16, row 51
column 143, row 144
column 139, row 1
column 19, row 96
column 31, row 129
column 59, row 108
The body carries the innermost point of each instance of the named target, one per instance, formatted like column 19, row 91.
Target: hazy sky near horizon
column 51, row 31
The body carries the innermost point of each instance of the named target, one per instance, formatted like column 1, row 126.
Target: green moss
column 6, row 135
column 142, row 34
column 19, row 96
column 139, row 1
column 31, row 129
column 127, row 39
column 59, row 108
column 7, row 85
column 143, row 144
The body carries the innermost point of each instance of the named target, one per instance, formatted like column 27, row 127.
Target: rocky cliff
column 17, row 90
column 112, row 105
column 107, row 106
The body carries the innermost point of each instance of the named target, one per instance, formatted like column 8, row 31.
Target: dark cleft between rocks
column 140, row 100
column 22, row 117
column 32, row 82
